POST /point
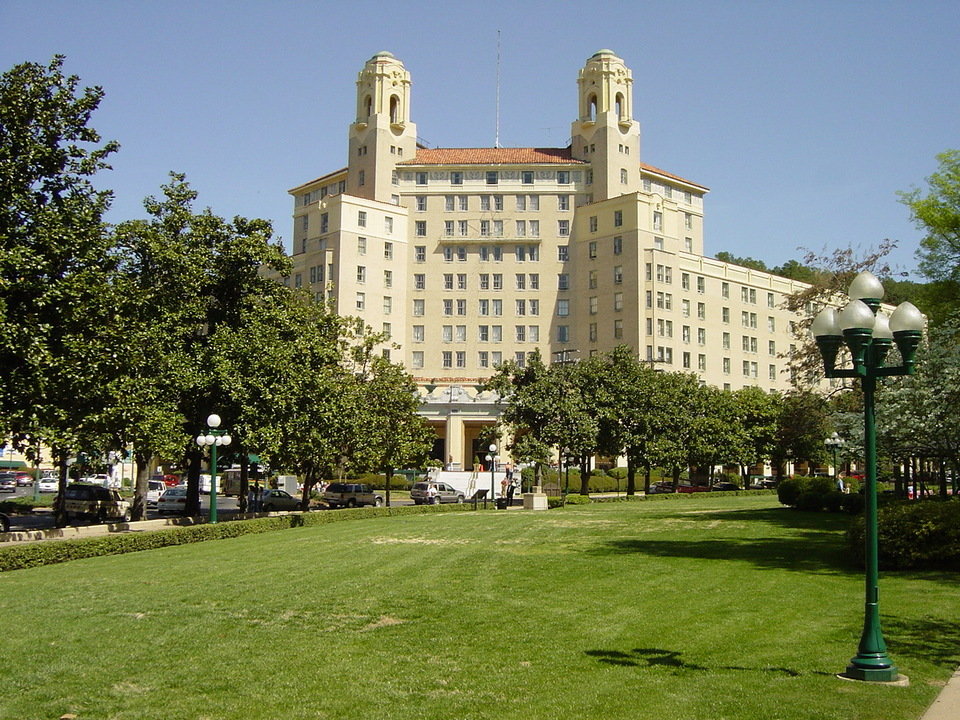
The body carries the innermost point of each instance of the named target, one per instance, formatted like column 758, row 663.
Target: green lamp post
column 869, row 335
column 834, row 442
column 213, row 439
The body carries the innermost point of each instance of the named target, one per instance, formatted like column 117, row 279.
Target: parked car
column 272, row 500
column 4, row 523
column 173, row 501
column 682, row 488
column 49, row 484
column 350, row 495
column 23, row 478
column 8, row 482
column 725, row 486
column 445, row 493
column 762, row 483
column 96, row 501
column 99, row 479
column 661, row 486
column 155, row 488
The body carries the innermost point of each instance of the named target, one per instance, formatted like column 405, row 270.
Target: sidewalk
column 947, row 704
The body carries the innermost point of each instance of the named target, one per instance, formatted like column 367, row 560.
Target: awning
column 12, row 465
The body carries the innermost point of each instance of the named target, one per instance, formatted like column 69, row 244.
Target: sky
column 803, row 118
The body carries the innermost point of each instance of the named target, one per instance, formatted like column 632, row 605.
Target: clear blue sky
column 804, row 118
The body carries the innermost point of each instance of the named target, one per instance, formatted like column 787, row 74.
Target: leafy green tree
column 803, row 425
column 755, row 414
column 747, row 262
column 56, row 298
column 937, row 213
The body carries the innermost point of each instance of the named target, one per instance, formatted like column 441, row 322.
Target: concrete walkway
column 947, row 704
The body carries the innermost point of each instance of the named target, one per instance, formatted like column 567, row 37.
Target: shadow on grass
column 930, row 639
column 806, row 552
column 782, row 517
column 657, row 657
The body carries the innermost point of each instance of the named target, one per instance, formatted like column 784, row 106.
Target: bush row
column 913, row 535
column 582, row 499
column 49, row 552
column 817, row 494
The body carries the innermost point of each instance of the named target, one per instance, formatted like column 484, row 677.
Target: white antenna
column 496, row 141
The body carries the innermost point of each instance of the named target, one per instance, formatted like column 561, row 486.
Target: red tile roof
column 658, row 171
column 491, row 156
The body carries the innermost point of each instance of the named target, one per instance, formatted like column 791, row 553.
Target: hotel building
column 469, row 257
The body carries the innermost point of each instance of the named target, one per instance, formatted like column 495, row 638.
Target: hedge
column 49, row 552
column 913, row 535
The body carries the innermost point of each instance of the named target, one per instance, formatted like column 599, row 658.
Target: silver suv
column 445, row 493
column 351, row 495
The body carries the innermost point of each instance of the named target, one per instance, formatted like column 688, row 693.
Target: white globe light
column 825, row 323
column 209, row 440
column 201, row 440
column 218, row 441
column 906, row 317
column 856, row 315
column 213, row 420
column 493, row 448
column 226, row 440
column 881, row 327
column 865, row 286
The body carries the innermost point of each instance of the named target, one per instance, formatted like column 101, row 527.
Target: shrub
column 49, row 552
column 618, row 473
column 914, row 535
column 788, row 490
column 852, row 503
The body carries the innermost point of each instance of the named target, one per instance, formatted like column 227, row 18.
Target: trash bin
column 502, row 503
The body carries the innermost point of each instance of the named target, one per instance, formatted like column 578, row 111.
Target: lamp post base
column 886, row 674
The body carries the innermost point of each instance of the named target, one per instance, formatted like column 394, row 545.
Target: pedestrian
column 432, row 496
column 252, row 499
column 840, row 485
column 511, row 489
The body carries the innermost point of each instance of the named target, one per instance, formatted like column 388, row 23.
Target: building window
column 420, row 253
column 361, row 274
column 617, row 244
column 498, row 281
column 593, row 223
column 657, row 220
column 563, row 308
column 421, row 226
column 521, row 228
column 483, row 307
column 563, row 177
column 701, row 285
column 521, row 203
column 685, row 308
column 623, row 176
column 388, row 224
column 418, row 358
column 688, row 244
column 563, row 253
column 618, row 217
column 456, row 178
column 618, row 301
column 702, row 363
column 534, row 228
column 362, row 218
column 772, row 372
column 618, row 329
column 563, row 228
column 563, row 202
column 447, row 359
column 725, row 289
column 594, row 305
column 448, row 281
column 771, row 324
column 726, row 365
column 592, row 249
column 387, row 304
column 461, row 253
column 448, row 307
column 461, row 307
column 770, row 303
column 388, row 278
column 592, row 279
column 563, row 281
column 618, row 275
column 422, row 203
column 421, row 178
column 685, row 281
column 725, row 315
column 483, row 359
column 461, row 281
column 701, row 311
column 462, row 228
column 418, row 334
column 563, row 333
column 493, row 177
column 361, row 301
column 726, row 341
column 521, row 306
column 526, row 177
column 685, row 333
column 461, row 358
column 461, row 333
column 520, row 333
column 520, row 281
column 497, row 307
column 361, row 246
column 462, row 203
column 772, row 348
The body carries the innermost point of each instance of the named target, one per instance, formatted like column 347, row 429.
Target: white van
column 155, row 488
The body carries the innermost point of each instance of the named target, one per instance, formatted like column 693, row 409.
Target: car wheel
column 378, row 502
column 351, row 503
column 102, row 516
column 127, row 516
column 459, row 499
column 268, row 508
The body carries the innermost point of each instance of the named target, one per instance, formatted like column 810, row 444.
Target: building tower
column 382, row 134
column 605, row 133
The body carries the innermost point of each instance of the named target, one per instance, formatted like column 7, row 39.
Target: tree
column 56, row 296
column 803, row 425
column 755, row 426
column 747, row 262
column 937, row 213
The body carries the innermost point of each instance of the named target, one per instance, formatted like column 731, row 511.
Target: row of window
column 492, row 203
column 485, row 359
column 485, row 333
column 493, row 177
column 522, row 281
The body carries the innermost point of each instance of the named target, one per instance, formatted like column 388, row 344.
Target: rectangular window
column 618, row 329
column 387, row 305
column 594, row 305
column 521, row 281
column 498, row 281
column 725, row 289
column 484, row 228
column 618, row 301
column 726, row 341
column 685, row 308
column 685, row 333
column 361, row 274
column 593, row 332
column 462, row 203
column 617, row 244
column 461, row 335
column 447, row 359
column 418, row 358
column 618, row 218
column 771, row 324
column 702, row 363
column 685, row 281
column 484, row 281
column 534, row 228
column 534, row 279
column 462, row 228
column 726, row 365
column 456, row 178
column 361, row 246
column 563, row 281
column 483, row 359
column 521, row 203
column 421, row 227
column 497, row 308
column 493, row 177
column 592, row 279
column 461, row 307
column 772, row 372
column 521, row 307
column 618, row 275
column 563, row 202
column 526, row 177
column 496, row 333
column 420, row 253
column 483, row 334
column 448, row 228
column 448, row 307
column 563, row 177
column 772, row 348
column 421, row 178
column 534, row 306
column 534, row 202
column 461, row 358
column 361, row 300
column 563, row 228
column 461, row 281
column 418, row 333
column 448, row 254
column 388, row 278
column 483, row 307
column 593, row 223
column 770, row 303
column 701, row 311
column 461, row 253
column 657, row 220
column 520, row 333
column 418, row 307
column 563, row 308
column 447, row 203
column 388, row 225
column 448, row 281
column 701, row 285
column 563, row 333
column 521, row 228
column 725, row 315
column 592, row 249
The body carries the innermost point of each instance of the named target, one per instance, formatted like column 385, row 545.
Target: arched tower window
column 592, row 107
column 368, row 106
column 621, row 107
column 394, row 109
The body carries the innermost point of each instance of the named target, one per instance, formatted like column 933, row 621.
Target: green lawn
column 702, row 608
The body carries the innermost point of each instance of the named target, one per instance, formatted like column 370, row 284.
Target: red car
column 693, row 488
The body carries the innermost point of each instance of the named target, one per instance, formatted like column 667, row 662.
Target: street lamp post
column 834, row 442
column 492, row 459
column 213, row 439
column 869, row 335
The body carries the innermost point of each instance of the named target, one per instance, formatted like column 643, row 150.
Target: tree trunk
column 584, row 475
column 389, row 482
column 646, row 479
column 59, row 514
column 631, row 476
column 192, row 508
column 140, row 485
column 244, row 488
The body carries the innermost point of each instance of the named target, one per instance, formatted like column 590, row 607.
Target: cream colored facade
column 470, row 257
